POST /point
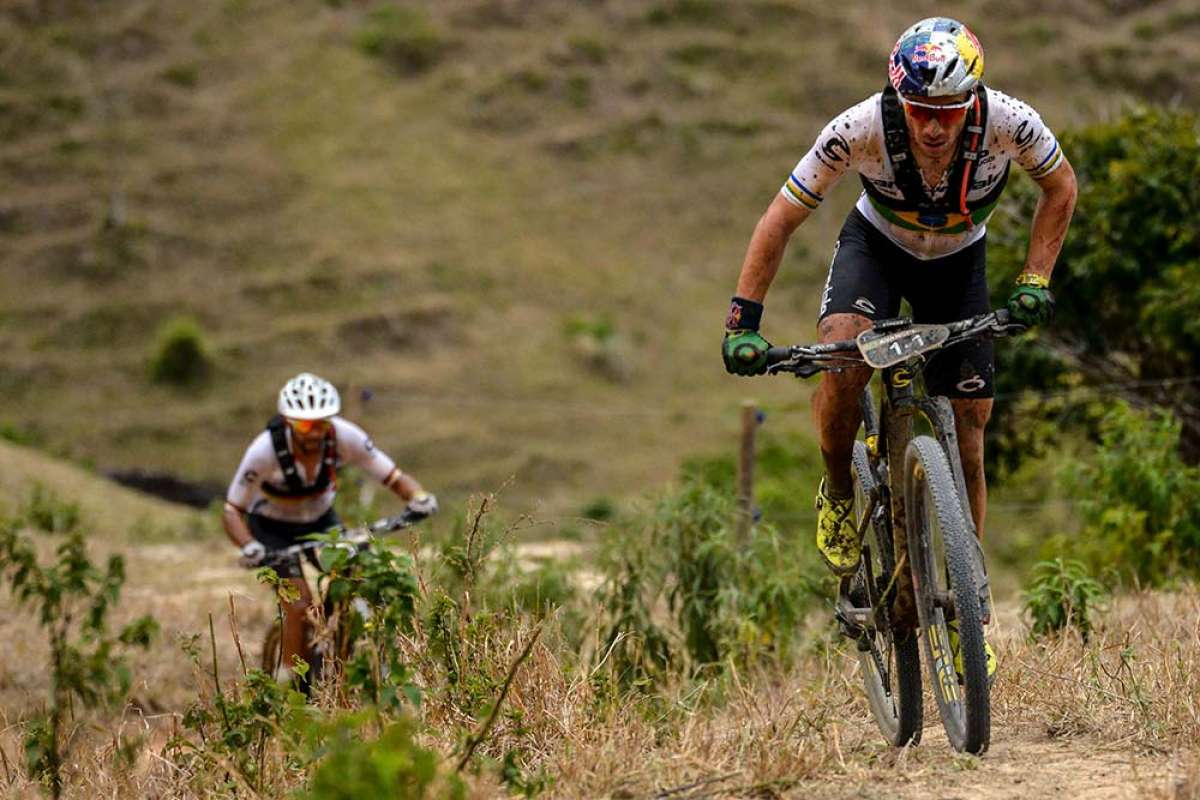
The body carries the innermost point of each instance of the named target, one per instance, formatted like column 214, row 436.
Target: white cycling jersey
column 854, row 141
column 260, row 464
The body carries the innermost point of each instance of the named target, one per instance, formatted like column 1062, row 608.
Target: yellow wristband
column 1032, row 279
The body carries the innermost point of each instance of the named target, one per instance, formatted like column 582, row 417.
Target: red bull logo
column 929, row 53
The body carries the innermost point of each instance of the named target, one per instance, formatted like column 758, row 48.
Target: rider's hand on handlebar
column 745, row 352
column 253, row 553
column 1032, row 303
column 423, row 504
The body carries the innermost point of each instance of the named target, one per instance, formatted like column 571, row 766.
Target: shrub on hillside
column 1138, row 499
column 72, row 599
column 406, row 38
column 1061, row 594
column 180, row 355
column 727, row 600
column 45, row 510
column 1127, row 282
column 393, row 764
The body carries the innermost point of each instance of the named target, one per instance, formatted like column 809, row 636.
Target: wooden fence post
column 745, row 478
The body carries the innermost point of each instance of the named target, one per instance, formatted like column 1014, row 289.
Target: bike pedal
column 847, row 628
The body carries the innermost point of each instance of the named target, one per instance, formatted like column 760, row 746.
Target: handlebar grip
column 778, row 354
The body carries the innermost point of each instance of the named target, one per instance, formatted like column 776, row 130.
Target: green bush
column 1061, row 594
column 687, row 12
column 355, row 765
column 728, row 600
column 1127, row 282
column 600, row 509
column 180, row 354
column 406, row 38
column 1139, row 499
column 45, row 510
column 72, row 599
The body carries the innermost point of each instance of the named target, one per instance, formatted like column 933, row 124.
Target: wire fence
column 369, row 399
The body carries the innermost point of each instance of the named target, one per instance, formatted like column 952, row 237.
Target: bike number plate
column 885, row 349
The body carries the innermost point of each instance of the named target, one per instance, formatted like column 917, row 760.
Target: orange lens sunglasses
column 947, row 115
column 307, row 426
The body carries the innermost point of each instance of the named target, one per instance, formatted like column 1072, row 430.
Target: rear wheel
column 944, row 578
column 891, row 663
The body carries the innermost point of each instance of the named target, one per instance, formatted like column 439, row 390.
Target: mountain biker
column 285, row 486
column 932, row 151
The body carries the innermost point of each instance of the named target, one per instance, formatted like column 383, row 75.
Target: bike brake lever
column 807, row 371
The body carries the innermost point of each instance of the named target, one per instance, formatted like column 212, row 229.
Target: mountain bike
column 331, row 644
column 922, row 566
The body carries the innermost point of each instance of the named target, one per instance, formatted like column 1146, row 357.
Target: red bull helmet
column 936, row 57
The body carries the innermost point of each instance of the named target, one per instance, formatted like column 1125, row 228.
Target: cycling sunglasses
column 950, row 114
column 307, row 426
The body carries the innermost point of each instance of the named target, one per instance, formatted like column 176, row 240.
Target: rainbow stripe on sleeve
column 1049, row 163
column 800, row 194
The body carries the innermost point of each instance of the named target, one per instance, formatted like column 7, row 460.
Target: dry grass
column 1134, row 685
column 1114, row 717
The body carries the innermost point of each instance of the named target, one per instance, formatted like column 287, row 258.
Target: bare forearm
column 235, row 526
column 1050, row 222
column 405, row 486
column 766, row 249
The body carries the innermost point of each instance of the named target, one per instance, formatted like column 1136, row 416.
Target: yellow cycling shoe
column 837, row 535
column 952, row 630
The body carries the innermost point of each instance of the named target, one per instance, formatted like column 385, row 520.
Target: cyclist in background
column 933, row 152
column 286, row 484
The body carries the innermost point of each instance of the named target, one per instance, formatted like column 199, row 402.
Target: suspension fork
column 895, row 431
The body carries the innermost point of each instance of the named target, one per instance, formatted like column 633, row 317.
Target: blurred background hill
column 507, row 229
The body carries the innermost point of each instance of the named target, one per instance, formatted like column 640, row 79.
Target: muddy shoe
column 837, row 535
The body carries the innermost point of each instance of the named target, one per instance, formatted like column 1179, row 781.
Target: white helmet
column 308, row 397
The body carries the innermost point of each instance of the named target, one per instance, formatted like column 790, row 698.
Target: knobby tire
column 931, row 500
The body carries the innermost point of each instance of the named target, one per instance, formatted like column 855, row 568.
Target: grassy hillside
column 116, row 517
column 516, row 223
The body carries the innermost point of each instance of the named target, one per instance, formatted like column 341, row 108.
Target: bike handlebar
column 807, row 360
column 347, row 537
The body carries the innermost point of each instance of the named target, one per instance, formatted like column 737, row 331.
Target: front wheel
column 888, row 654
column 946, row 589
column 270, row 659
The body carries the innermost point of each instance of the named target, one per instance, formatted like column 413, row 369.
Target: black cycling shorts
column 277, row 535
column 870, row 275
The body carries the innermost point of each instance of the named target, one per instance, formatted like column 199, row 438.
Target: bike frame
column 903, row 398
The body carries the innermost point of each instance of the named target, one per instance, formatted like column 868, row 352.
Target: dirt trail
column 1023, row 762
column 183, row 582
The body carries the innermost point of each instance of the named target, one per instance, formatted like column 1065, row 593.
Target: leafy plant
column 72, row 598
column 727, row 599
column 1127, row 282
column 406, row 38
column 355, row 765
column 1062, row 593
column 237, row 727
column 386, row 582
column 44, row 509
column 180, row 354
column 1138, row 498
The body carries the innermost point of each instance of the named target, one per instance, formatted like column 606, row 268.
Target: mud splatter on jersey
column 854, row 141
